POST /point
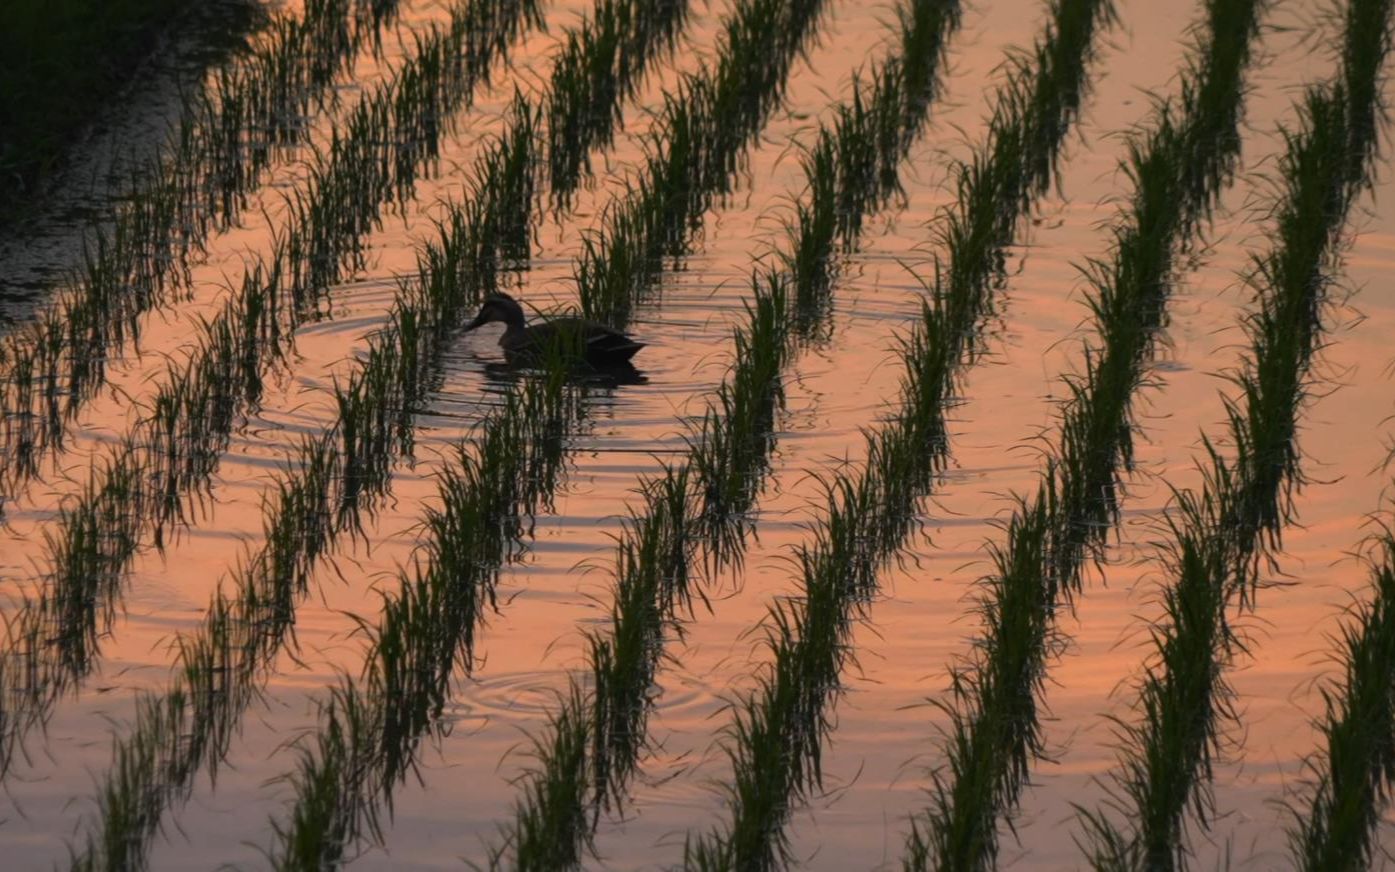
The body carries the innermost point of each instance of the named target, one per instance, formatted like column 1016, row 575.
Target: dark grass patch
column 343, row 473
column 158, row 476
column 697, row 511
column 345, row 808
column 1223, row 535
column 703, row 131
column 66, row 60
column 1178, row 165
column 371, row 728
column 322, row 493
column 1336, row 829
column 701, row 505
column 776, row 737
column 251, row 113
column 600, row 67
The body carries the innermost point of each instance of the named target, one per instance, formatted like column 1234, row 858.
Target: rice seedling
column 701, row 506
column 344, row 471
column 706, row 125
column 422, row 633
column 601, row 65
column 336, row 798
column 386, row 141
column 228, row 132
column 371, row 730
column 1221, row 536
column 1337, row 827
column 331, row 480
column 360, row 781
column 157, row 475
column 1178, row 165
column 348, row 185
column 775, row 739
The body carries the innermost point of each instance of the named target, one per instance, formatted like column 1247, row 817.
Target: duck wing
column 596, row 342
column 611, row 347
column 606, row 344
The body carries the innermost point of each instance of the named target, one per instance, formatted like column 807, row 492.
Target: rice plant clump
column 312, row 804
column 1337, row 827
column 775, row 742
column 156, row 477
column 324, row 490
column 1178, row 165
column 195, row 184
column 1223, row 534
column 700, row 504
column 477, row 243
column 437, row 571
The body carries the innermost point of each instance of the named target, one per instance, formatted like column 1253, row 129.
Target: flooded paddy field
column 1002, row 482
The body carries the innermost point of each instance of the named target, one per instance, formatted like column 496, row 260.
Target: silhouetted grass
column 175, row 448
column 777, row 733
column 336, row 797
column 1178, row 165
column 1222, row 534
column 601, row 65
column 325, row 487
column 707, row 122
column 161, row 469
column 347, row 469
column 370, row 729
column 228, row 132
column 698, row 509
column 1337, row 828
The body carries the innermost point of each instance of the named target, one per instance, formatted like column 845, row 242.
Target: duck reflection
column 582, row 374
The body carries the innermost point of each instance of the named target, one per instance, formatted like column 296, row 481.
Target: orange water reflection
column 886, row 735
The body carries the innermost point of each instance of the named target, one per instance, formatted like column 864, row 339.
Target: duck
column 599, row 344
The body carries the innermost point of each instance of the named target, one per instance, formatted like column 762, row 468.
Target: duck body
column 597, row 344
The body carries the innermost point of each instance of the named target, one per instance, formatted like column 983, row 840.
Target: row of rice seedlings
column 228, row 133
column 776, row 737
column 1178, row 166
column 699, row 509
column 1221, row 535
column 330, row 221
column 156, row 476
column 385, row 141
column 1354, row 769
column 600, row 66
column 361, row 751
column 325, row 244
column 329, row 485
column 325, row 489
column 708, row 120
column 372, row 730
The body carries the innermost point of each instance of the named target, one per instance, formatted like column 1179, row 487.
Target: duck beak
column 478, row 322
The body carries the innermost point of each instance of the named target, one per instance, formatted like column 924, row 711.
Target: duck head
column 501, row 308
